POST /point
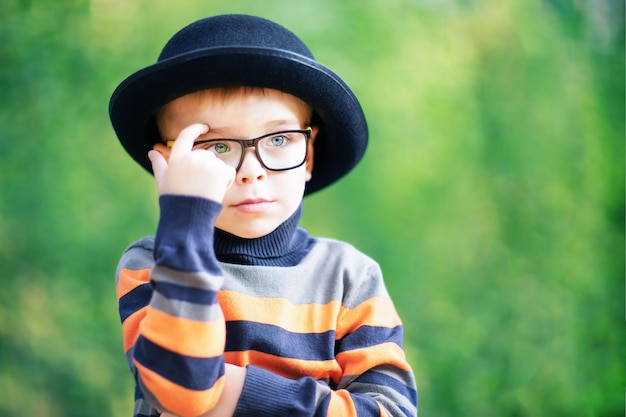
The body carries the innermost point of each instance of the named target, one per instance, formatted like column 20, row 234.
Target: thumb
column 159, row 166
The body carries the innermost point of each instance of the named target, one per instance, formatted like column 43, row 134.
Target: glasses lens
column 228, row 151
column 282, row 150
column 277, row 151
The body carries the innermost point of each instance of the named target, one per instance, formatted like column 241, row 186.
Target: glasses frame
column 252, row 143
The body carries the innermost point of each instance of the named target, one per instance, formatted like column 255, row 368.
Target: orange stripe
column 280, row 312
column 179, row 400
column 184, row 336
column 377, row 311
column 130, row 279
column 287, row 367
column 341, row 404
column 130, row 328
column 356, row 362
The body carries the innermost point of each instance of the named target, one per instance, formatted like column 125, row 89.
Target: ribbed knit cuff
column 266, row 394
column 184, row 238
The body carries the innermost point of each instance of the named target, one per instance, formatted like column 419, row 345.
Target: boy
column 232, row 309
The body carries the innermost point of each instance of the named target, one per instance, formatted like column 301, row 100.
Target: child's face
column 259, row 200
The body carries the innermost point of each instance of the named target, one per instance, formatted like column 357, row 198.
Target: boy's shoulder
column 341, row 266
column 339, row 248
column 340, row 256
column 144, row 245
column 138, row 255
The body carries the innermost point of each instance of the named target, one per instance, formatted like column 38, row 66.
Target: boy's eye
column 215, row 147
column 279, row 140
column 220, row 148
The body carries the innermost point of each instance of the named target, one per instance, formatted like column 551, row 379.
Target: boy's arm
column 173, row 326
column 175, row 343
column 375, row 378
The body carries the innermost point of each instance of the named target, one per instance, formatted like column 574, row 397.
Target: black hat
column 241, row 50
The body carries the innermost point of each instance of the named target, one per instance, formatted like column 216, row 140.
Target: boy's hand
column 197, row 173
column 235, row 377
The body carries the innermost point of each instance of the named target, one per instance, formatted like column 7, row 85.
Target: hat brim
column 342, row 137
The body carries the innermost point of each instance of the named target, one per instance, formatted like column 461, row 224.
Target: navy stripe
column 134, row 300
column 365, row 405
column 268, row 394
column 188, row 294
column 380, row 379
column 407, row 413
column 366, row 336
column 138, row 393
column 184, row 238
column 277, row 341
column 189, row 372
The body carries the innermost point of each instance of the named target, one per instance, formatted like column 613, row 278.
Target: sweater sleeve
column 375, row 378
column 173, row 327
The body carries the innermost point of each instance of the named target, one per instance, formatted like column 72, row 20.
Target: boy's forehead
column 229, row 101
column 224, row 96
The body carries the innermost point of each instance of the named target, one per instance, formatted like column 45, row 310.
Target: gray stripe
column 149, row 397
column 387, row 397
column 137, row 256
column 129, row 359
column 202, row 280
column 321, row 391
column 185, row 309
column 142, row 407
column 400, row 375
column 333, row 270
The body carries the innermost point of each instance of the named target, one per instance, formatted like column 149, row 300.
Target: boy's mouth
column 252, row 205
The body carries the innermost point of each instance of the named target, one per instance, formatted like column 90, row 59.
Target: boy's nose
column 251, row 168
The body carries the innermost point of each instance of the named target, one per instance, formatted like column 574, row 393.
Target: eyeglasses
column 278, row 151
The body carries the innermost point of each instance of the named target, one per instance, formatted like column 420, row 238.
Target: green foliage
column 492, row 193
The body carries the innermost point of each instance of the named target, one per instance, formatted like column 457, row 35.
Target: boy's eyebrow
column 225, row 131
column 276, row 123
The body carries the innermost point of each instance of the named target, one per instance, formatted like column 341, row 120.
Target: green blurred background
column 492, row 193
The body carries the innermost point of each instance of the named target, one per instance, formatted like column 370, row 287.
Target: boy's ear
column 163, row 150
column 310, row 153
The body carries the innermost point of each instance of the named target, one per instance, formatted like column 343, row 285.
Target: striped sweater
column 310, row 318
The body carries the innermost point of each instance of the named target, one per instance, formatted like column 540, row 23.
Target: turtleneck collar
column 285, row 246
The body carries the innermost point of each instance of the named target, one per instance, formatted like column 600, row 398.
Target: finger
column 159, row 166
column 186, row 137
